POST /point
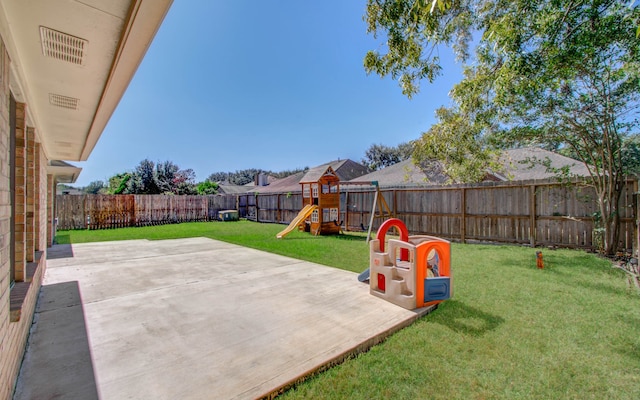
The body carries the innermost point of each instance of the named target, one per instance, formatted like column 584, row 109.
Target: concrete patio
column 192, row 319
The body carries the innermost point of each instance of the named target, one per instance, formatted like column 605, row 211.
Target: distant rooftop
column 519, row 165
column 345, row 169
column 527, row 163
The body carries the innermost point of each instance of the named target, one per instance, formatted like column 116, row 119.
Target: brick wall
column 41, row 213
column 21, row 192
column 51, row 195
column 7, row 360
column 30, row 194
column 17, row 303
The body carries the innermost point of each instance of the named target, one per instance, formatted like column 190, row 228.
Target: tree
column 244, row 176
column 94, row 187
column 207, row 187
column 149, row 178
column 219, row 177
column 184, row 182
column 379, row 156
column 241, row 177
column 564, row 75
column 286, row 172
column 165, row 176
column 118, row 183
column 144, row 178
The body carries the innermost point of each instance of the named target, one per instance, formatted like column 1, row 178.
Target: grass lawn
column 570, row 331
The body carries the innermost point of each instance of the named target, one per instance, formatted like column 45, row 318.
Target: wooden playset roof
column 315, row 174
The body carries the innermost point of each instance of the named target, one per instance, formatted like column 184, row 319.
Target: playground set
column 411, row 272
column 320, row 213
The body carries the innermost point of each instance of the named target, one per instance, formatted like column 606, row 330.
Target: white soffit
column 72, row 60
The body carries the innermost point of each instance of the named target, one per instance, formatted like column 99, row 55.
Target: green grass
column 570, row 331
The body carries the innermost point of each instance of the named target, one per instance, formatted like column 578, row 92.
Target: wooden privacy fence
column 534, row 213
column 117, row 211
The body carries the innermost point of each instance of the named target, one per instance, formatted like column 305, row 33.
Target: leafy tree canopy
column 242, row 177
column 150, row 178
column 561, row 74
column 207, row 187
column 118, row 183
column 94, row 187
column 379, row 156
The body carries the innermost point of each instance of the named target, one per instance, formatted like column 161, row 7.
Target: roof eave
column 143, row 22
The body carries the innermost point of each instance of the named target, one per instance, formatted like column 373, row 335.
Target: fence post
column 238, row 205
column 395, row 201
column 636, row 191
column 463, row 215
column 346, row 210
column 84, row 216
column 132, row 204
column 532, row 215
column 278, row 210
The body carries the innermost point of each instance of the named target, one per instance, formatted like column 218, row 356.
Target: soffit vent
column 70, row 103
column 63, row 47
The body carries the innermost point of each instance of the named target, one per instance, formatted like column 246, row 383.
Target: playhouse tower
column 321, row 188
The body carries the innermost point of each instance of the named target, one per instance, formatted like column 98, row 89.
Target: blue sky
column 234, row 84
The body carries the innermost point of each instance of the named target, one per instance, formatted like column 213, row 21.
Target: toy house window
column 325, row 215
column 333, row 214
column 325, row 189
column 314, row 216
column 314, row 190
column 305, row 191
column 333, row 189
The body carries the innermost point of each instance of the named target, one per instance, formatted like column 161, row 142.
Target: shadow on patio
column 58, row 358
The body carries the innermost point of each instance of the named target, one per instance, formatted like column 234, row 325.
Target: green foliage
column 413, row 31
column 379, row 156
column 149, row 178
column 242, row 177
column 207, row 187
column 94, row 187
column 118, row 183
column 631, row 155
column 564, row 75
column 450, row 142
column 286, row 172
column 144, row 179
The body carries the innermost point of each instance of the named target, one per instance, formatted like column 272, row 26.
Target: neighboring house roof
column 344, row 169
column 288, row 184
column 68, row 190
column 405, row 174
column 519, row 165
column 527, row 163
column 348, row 169
column 225, row 188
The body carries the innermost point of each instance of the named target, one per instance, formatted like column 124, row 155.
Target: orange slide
column 302, row 215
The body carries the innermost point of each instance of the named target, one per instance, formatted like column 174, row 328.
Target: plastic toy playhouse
column 412, row 272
